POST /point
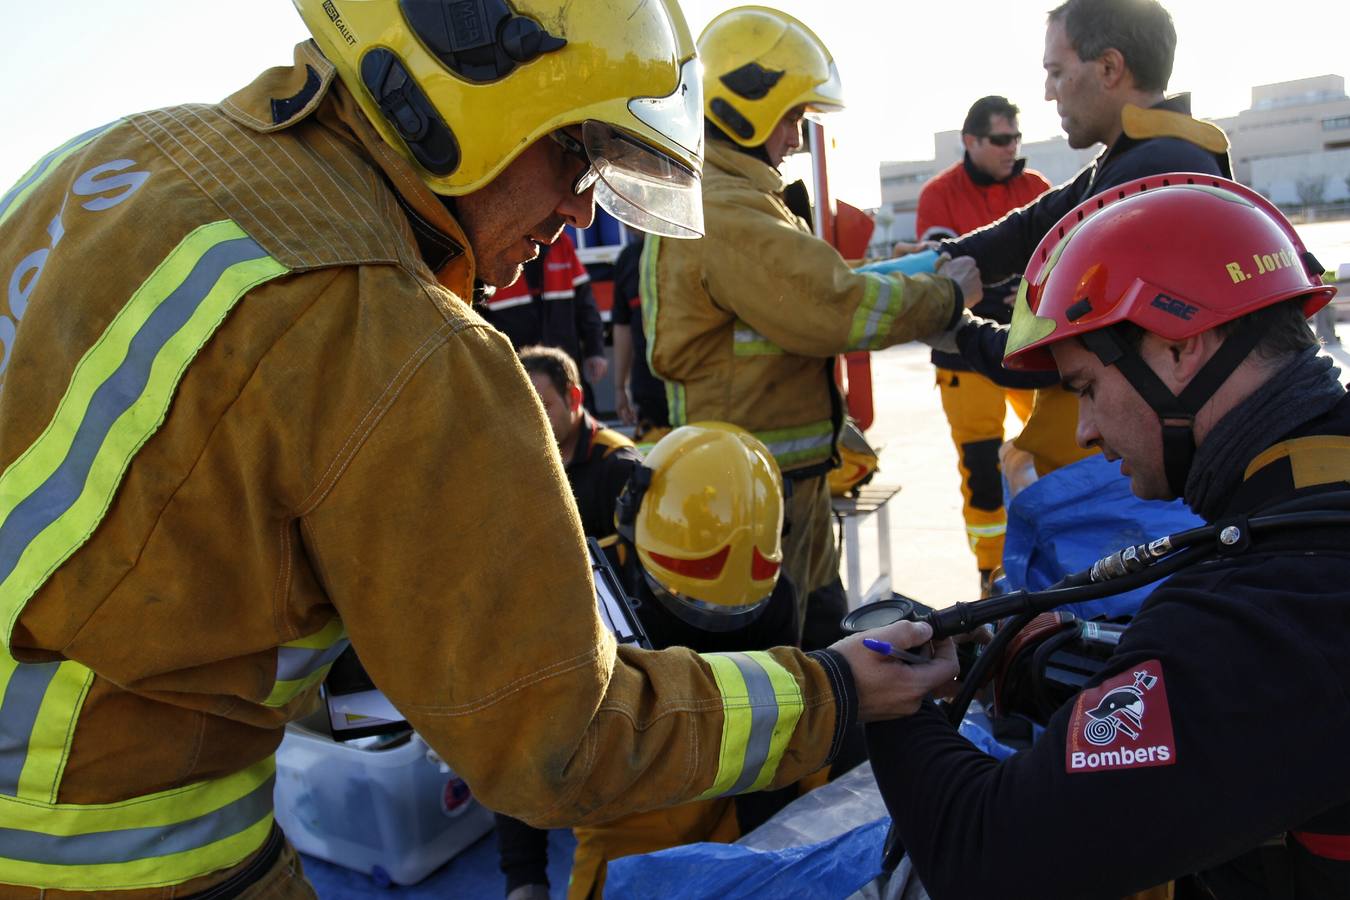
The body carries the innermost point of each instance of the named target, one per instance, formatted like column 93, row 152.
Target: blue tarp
column 825, row 871
column 1072, row 517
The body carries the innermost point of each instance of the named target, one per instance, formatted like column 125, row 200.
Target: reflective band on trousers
column 52, row 498
column 761, row 704
column 987, row 531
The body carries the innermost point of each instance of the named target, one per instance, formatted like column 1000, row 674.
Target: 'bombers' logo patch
column 1123, row 723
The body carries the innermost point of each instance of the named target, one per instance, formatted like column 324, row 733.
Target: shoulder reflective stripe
column 23, row 686
column 52, row 731
column 33, row 176
column 761, row 707
column 875, row 314
column 749, row 342
column 794, row 446
column 1313, row 460
column 159, row 839
column 55, row 494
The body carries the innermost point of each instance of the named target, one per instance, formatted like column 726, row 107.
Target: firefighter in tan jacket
column 247, row 417
column 744, row 325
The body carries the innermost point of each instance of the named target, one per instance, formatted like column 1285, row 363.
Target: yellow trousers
column 976, row 408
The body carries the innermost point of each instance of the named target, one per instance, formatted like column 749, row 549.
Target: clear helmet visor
column 642, row 187
column 713, row 617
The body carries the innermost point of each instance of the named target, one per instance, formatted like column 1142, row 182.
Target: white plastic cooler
column 395, row 813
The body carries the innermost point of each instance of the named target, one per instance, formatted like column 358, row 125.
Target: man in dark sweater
column 1107, row 65
column 1212, row 743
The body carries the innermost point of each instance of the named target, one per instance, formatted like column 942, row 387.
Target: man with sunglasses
column 248, row 417
column 988, row 182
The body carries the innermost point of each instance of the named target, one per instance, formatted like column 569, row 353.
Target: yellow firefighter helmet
column 708, row 525
column 759, row 63
column 460, row 89
column 857, row 461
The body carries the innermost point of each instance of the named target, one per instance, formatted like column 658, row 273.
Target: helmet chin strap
column 1175, row 412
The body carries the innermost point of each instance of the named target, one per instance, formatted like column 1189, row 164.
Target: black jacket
column 1004, row 248
column 1243, row 736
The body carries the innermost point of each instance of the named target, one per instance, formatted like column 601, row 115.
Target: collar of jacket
column 586, row 430
column 1169, row 118
column 724, row 157
column 983, row 179
column 282, row 97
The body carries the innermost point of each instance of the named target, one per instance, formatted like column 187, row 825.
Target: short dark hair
column 982, row 113
column 1283, row 327
column 1140, row 29
column 554, row 364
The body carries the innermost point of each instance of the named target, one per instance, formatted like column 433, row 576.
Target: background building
column 1292, row 144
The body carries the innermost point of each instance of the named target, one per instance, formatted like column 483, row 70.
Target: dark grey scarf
column 1300, row 392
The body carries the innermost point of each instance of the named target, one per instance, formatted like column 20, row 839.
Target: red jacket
column 961, row 198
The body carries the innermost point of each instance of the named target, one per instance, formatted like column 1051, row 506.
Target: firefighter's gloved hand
column 966, row 274
column 889, row 688
column 945, row 341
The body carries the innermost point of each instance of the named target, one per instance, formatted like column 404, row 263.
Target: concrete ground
column 930, row 559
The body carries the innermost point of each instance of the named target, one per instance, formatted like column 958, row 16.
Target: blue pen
column 885, row 648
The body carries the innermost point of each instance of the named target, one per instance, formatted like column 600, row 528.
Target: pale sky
column 909, row 69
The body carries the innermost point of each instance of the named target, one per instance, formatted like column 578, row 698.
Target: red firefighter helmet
column 1174, row 254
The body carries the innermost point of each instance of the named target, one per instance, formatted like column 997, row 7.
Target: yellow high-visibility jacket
column 742, row 323
column 245, row 418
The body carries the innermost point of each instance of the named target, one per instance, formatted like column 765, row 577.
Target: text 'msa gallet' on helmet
column 708, row 531
column 759, row 63
column 461, row 87
column 1176, row 255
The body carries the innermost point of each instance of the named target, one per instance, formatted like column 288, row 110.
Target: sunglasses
column 1003, row 140
column 572, row 147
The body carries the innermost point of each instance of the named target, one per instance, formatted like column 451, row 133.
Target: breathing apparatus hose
column 1125, row 570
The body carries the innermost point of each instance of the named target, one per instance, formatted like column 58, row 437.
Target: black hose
column 962, row 617
column 956, row 709
column 1186, row 548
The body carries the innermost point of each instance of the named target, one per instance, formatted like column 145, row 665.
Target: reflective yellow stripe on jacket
column 801, row 444
column 677, row 410
column 761, row 705
column 875, row 316
column 52, row 498
column 303, row 663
